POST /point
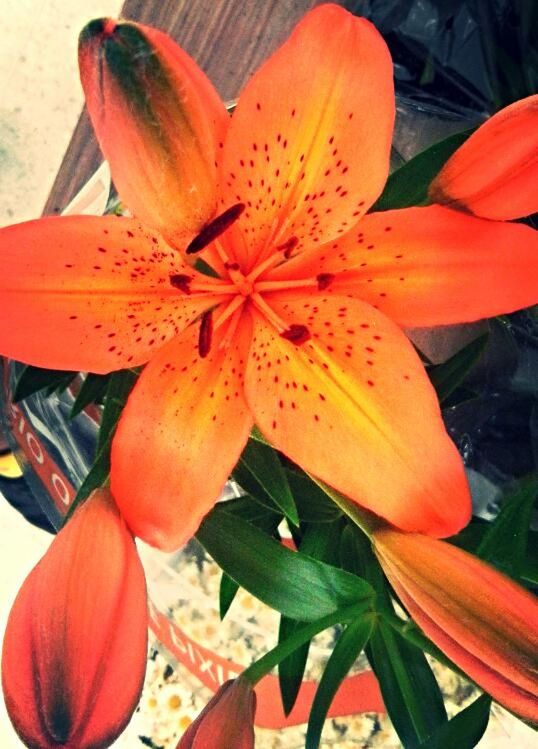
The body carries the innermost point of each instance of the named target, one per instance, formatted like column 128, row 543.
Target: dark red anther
column 288, row 246
column 215, row 228
column 297, row 334
column 324, row 280
column 206, row 333
column 182, row 282
column 232, row 266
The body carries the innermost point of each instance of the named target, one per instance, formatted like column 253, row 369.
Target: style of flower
column 226, row 721
column 75, row 646
column 295, row 327
column 482, row 620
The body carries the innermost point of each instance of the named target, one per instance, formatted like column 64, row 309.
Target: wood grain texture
column 228, row 39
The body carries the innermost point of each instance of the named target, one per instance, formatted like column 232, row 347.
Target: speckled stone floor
column 39, row 104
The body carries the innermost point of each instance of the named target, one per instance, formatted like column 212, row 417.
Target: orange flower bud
column 482, row 620
column 226, row 721
column 494, row 173
column 75, row 646
column 158, row 120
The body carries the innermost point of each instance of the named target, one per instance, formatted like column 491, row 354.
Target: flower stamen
column 215, row 228
column 206, row 333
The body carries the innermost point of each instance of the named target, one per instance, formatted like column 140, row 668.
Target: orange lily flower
column 495, row 172
column 226, row 721
column 295, row 332
column 482, row 620
column 75, row 646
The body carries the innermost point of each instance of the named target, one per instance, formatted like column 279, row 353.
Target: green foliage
column 33, row 379
column 298, row 586
column 408, row 185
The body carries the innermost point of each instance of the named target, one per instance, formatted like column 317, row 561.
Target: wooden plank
column 229, row 40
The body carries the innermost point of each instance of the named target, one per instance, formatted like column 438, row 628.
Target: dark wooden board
column 228, row 39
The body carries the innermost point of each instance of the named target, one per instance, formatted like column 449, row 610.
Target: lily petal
column 90, row 293
column 495, row 172
column 429, row 266
column 309, row 143
column 353, row 406
column 158, row 120
column 482, row 620
column 74, row 653
column 184, row 427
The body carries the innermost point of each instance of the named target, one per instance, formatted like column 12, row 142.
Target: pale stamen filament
column 269, row 313
column 282, row 285
column 213, row 288
column 274, row 259
column 232, row 326
column 228, row 311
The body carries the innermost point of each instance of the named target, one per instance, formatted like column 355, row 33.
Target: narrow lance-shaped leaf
column 290, row 582
column 411, row 694
column 505, row 541
column 263, row 463
column 408, row 185
column 349, row 646
column 464, row 730
column 265, row 519
column 321, row 542
column 92, row 390
column 34, row 379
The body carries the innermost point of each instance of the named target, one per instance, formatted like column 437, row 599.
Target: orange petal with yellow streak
column 90, row 293
column 159, row 122
column 481, row 619
column 495, row 172
column 429, row 266
column 308, row 146
column 74, row 653
column 184, row 427
column 353, row 406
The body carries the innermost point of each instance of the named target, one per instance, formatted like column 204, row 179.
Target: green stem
column 266, row 663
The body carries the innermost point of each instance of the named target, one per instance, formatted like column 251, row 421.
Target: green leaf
column 321, row 542
column 448, row 376
column 33, row 379
column 290, row 582
column 505, row 541
column 119, row 386
column 92, row 390
column 266, row 519
column 264, row 465
column 227, row 591
column 408, row 185
column 410, row 691
column 464, row 730
column 349, row 646
column 266, row 663
column 97, row 476
column 313, row 504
